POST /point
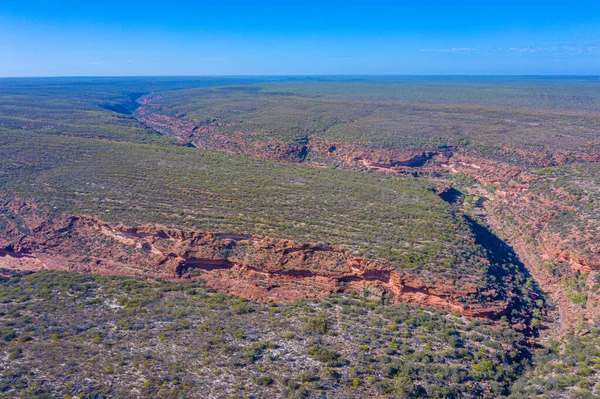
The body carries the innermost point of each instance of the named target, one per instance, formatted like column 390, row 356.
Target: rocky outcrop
column 258, row 268
column 532, row 214
column 526, row 216
column 217, row 135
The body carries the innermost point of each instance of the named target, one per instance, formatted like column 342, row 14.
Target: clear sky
column 229, row 37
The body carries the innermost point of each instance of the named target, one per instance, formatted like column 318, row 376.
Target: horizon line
column 302, row 75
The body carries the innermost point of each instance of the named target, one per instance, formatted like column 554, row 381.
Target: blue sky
column 74, row 38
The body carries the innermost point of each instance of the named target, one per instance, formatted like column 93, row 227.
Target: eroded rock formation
column 258, row 268
column 532, row 221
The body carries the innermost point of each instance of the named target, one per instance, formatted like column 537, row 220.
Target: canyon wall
column 257, row 268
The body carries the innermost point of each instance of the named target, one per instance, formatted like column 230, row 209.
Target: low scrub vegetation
column 77, row 335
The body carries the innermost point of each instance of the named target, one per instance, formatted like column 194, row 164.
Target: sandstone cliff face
column 530, row 219
column 258, row 268
column 211, row 135
column 532, row 214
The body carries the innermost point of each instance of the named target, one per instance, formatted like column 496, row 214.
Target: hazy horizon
column 311, row 76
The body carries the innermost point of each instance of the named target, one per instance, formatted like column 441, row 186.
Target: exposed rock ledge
column 258, row 268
